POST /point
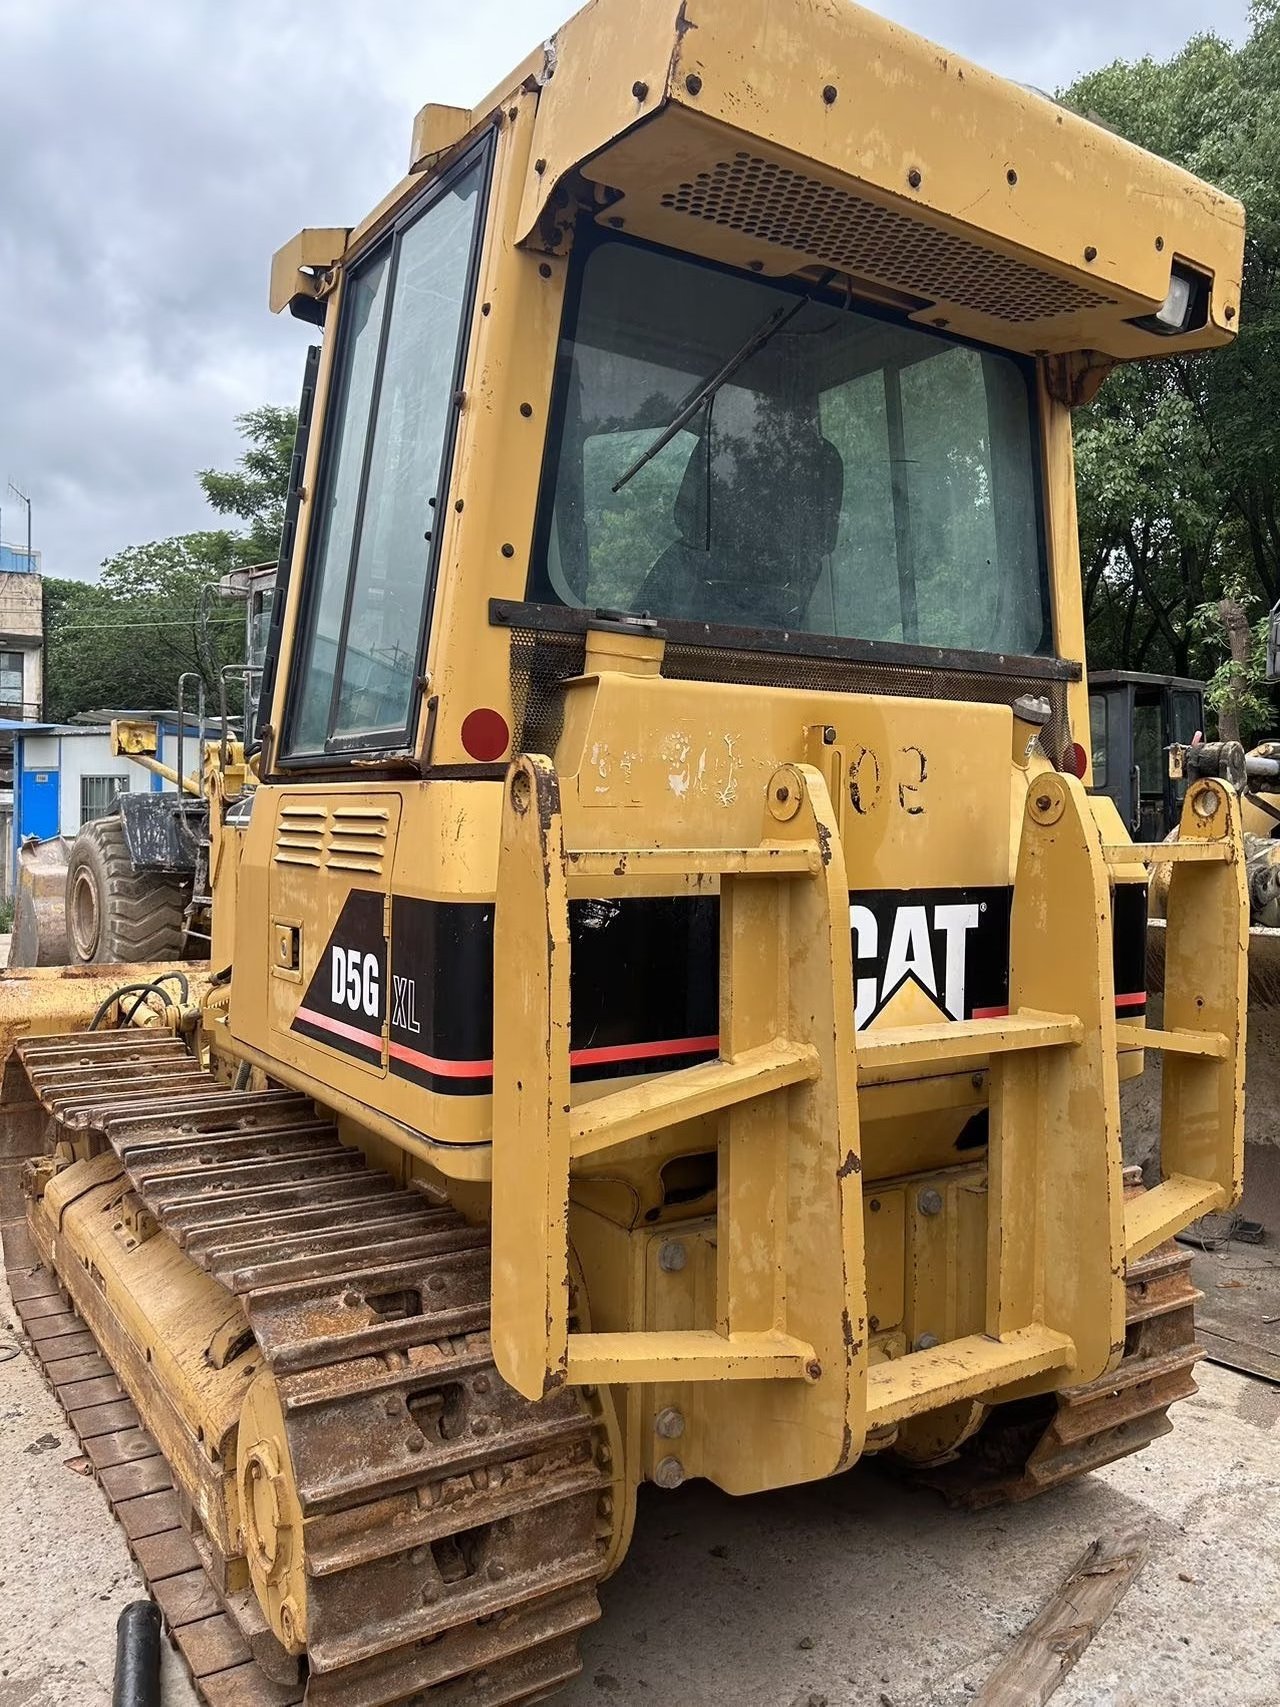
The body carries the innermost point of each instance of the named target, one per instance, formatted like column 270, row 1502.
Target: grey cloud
column 153, row 156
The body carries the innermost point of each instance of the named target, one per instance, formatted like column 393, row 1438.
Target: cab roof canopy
column 793, row 136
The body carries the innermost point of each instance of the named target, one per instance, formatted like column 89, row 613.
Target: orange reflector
column 485, row 734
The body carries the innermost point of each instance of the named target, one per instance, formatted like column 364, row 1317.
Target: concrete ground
column 846, row 1593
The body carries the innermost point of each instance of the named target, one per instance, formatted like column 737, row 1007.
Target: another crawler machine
column 680, row 984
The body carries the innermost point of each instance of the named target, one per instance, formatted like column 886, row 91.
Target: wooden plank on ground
column 1055, row 1639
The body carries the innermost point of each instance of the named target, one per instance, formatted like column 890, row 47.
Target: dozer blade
column 383, row 1518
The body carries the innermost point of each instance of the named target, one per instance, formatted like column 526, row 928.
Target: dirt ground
column 846, row 1593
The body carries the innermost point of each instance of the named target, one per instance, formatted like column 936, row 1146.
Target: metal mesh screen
column 542, row 660
column 781, row 206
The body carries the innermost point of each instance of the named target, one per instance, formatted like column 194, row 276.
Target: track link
column 452, row 1533
column 1031, row 1445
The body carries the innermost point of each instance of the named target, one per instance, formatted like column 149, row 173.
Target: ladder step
column 1166, row 1209
column 893, row 1052
column 962, row 1369
column 1168, row 853
column 692, row 1091
column 1211, row 1045
column 687, row 1355
column 770, row 859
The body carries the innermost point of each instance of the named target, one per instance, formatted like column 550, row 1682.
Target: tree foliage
column 154, row 612
column 254, row 491
column 1177, row 460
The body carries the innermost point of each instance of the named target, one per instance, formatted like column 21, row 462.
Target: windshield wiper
column 756, row 341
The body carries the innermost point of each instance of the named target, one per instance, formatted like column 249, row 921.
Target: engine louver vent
column 780, row 206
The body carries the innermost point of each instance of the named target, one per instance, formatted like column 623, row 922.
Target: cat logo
column 924, row 953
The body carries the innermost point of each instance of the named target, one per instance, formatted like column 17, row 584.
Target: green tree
column 255, row 490
column 1179, row 460
column 155, row 612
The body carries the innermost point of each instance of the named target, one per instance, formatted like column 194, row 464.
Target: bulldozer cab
column 684, row 492
column 683, row 979
column 1133, row 721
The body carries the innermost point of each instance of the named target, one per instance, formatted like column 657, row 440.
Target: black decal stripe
column 1129, row 949
column 475, row 1078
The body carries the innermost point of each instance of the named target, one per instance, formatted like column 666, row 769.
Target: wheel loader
column 134, row 885
column 679, row 985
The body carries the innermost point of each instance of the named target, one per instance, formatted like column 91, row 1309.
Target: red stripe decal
column 991, row 1013
column 1137, row 1000
column 436, row 1064
column 340, row 1028
column 643, row 1051
column 578, row 1058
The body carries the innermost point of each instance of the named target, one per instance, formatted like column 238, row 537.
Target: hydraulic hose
column 142, row 988
column 137, row 1680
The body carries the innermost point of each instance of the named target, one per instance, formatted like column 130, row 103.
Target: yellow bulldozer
column 678, row 985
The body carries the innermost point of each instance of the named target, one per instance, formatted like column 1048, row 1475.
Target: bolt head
column 669, row 1473
column 673, row 1256
column 929, row 1201
column 669, row 1424
column 926, row 1342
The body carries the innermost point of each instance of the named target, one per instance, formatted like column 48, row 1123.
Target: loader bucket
column 40, row 911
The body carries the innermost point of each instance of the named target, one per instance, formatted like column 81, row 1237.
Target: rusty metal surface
column 39, row 912
column 454, row 1532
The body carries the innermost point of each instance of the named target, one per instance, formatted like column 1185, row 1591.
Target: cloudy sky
column 153, row 155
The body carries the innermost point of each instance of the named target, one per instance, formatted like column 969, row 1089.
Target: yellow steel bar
column 684, row 1095
column 771, row 859
column 962, row 1369
column 530, row 1283
column 1211, row 1044
column 789, row 1213
column 1055, row 1215
column 691, row 1355
column 1166, row 1209
column 1205, row 990
column 1170, row 853
column 892, row 1050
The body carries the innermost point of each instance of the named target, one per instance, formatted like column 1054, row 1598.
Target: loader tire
column 114, row 913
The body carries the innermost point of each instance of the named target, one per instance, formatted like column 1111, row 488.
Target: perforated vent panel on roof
column 783, row 207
